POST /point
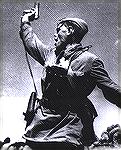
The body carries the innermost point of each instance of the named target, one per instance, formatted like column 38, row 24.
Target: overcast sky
column 102, row 19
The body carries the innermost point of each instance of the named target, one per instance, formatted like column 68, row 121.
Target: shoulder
column 84, row 61
column 87, row 56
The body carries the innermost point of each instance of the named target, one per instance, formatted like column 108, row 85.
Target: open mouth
column 56, row 39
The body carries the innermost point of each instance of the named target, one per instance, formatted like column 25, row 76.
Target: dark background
column 103, row 20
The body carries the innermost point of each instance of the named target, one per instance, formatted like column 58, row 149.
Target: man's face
column 61, row 37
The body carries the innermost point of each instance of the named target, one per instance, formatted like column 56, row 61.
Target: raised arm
column 32, row 44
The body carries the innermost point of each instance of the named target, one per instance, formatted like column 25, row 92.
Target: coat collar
column 72, row 51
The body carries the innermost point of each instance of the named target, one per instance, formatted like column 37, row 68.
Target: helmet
column 81, row 24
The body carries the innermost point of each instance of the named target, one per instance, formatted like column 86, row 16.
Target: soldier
column 65, row 116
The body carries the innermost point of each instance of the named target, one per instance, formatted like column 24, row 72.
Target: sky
column 15, row 80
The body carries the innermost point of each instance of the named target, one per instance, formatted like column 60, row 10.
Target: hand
column 28, row 15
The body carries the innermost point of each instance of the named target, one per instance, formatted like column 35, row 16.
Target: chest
column 78, row 66
column 54, row 67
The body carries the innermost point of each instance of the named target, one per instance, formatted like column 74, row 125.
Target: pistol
column 36, row 6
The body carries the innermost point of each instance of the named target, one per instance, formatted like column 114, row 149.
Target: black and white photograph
column 60, row 86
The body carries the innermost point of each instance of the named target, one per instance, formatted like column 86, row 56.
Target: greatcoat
column 65, row 113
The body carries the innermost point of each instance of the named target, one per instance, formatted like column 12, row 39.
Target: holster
column 30, row 112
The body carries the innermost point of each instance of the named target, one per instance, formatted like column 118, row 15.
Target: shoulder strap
column 27, row 59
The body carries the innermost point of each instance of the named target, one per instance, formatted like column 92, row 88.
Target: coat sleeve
column 111, row 91
column 32, row 44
